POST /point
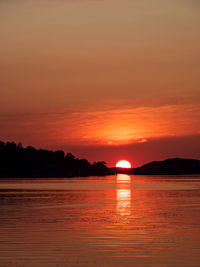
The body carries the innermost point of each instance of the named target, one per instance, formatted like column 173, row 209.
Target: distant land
column 17, row 161
column 172, row 166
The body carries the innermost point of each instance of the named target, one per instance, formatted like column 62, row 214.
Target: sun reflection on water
column 123, row 194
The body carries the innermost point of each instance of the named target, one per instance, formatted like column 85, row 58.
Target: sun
column 123, row 164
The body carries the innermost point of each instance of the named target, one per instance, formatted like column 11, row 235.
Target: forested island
column 17, row 161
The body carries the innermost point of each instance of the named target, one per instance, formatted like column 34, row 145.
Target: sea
column 118, row 220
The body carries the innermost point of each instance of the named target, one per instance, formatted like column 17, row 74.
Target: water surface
column 100, row 221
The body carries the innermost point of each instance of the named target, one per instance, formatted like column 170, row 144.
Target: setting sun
column 123, row 164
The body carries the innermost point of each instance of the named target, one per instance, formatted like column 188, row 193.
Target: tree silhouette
column 17, row 161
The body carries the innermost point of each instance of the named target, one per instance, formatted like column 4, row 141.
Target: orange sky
column 95, row 76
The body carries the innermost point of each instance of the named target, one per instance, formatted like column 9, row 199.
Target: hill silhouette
column 17, row 161
column 169, row 167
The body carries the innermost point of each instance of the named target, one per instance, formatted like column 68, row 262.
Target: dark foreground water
column 106, row 221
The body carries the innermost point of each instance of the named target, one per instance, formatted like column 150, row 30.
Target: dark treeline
column 17, row 161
